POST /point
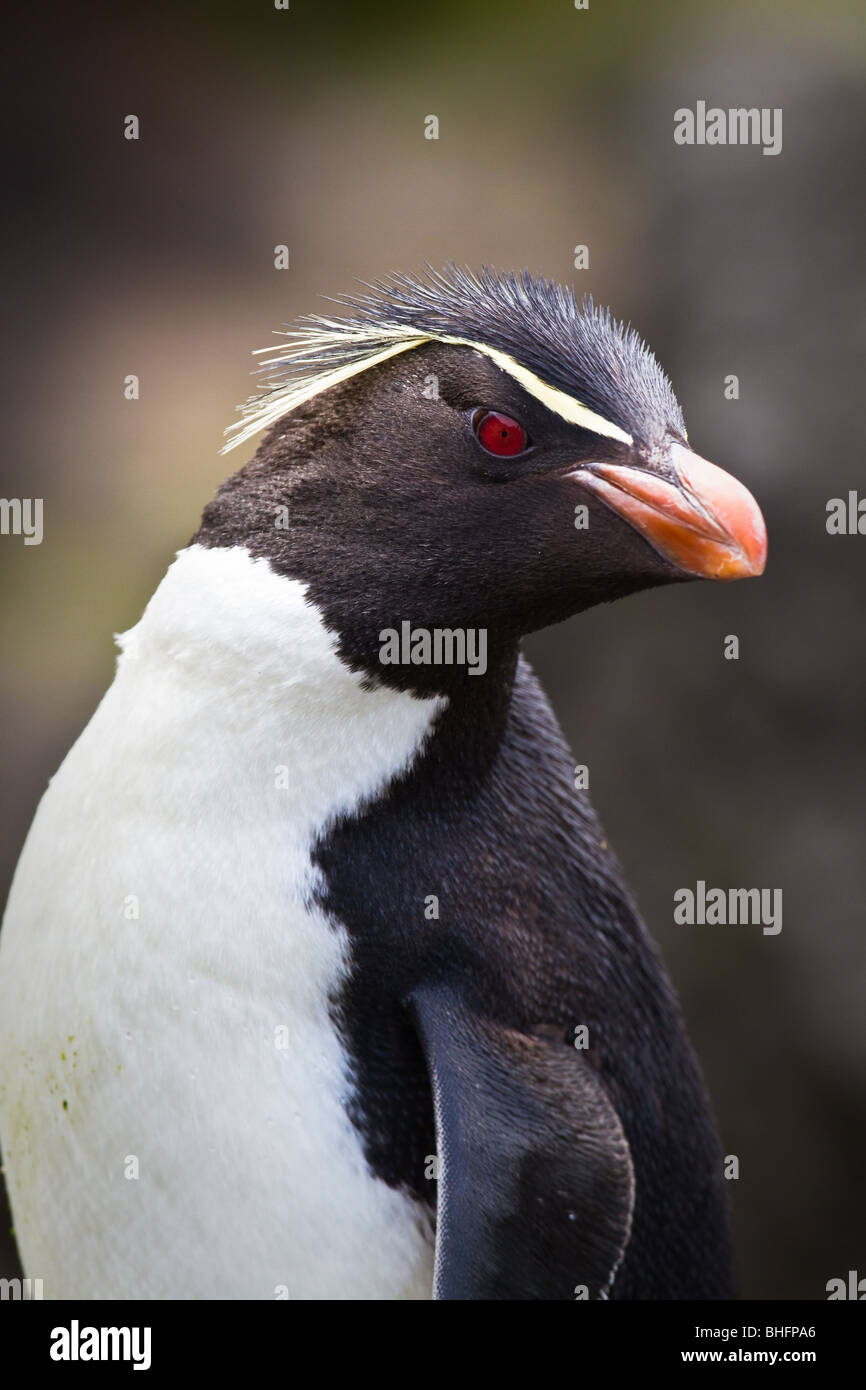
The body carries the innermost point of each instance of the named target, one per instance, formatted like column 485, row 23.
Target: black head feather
column 576, row 346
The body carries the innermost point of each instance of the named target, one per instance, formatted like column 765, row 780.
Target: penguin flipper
column 535, row 1180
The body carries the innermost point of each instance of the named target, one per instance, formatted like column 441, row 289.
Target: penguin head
column 474, row 453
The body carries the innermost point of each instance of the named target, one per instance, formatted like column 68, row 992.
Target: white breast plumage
column 173, row 1103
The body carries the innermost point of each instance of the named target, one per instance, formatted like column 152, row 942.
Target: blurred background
column 305, row 127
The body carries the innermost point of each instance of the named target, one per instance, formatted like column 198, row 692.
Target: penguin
column 318, row 978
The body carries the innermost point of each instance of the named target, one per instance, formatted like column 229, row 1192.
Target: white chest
column 173, row 1119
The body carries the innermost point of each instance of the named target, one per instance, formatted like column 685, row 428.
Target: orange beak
column 710, row 526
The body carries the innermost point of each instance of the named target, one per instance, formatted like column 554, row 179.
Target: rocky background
column 306, row 127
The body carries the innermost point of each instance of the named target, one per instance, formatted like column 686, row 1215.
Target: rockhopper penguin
column 306, row 924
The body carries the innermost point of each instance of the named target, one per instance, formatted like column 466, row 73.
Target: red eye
column 499, row 434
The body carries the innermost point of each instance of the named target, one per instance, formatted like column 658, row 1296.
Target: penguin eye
column 499, row 434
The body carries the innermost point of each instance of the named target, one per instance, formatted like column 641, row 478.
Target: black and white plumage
column 535, row 323
column 283, row 1031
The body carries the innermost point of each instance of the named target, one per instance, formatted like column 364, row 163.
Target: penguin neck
column 232, row 646
column 244, row 687
column 469, row 729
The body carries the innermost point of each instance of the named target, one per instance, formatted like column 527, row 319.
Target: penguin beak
column 707, row 524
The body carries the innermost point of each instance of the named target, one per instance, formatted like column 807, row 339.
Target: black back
column 536, row 918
